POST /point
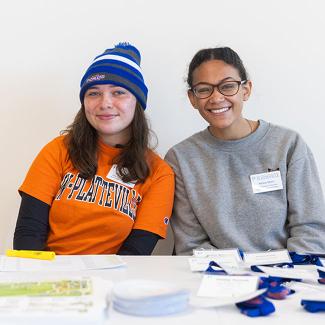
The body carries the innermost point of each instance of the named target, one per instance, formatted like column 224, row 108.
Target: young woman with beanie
column 98, row 188
column 241, row 183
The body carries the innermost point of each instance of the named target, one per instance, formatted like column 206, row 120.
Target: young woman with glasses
column 241, row 183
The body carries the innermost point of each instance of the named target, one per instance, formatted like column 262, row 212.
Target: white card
column 200, row 264
column 290, row 273
column 266, row 182
column 209, row 302
column 239, row 269
column 320, row 297
column 306, row 287
column 113, row 175
column 228, row 259
column 266, row 258
column 61, row 263
column 227, row 256
column 227, row 285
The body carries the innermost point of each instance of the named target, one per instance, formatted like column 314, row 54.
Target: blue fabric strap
column 260, row 306
column 299, row 259
column 321, row 279
column 211, row 269
column 275, row 288
column 256, row 307
column 313, row 306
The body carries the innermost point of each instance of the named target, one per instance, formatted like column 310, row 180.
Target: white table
column 175, row 269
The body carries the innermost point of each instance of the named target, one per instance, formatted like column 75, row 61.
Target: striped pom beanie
column 119, row 66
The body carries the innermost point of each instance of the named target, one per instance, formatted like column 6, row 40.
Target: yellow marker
column 41, row 255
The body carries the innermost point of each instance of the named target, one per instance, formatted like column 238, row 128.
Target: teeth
column 220, row 110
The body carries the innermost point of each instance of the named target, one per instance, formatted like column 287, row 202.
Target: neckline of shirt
column 240, row 144
column 105, row 148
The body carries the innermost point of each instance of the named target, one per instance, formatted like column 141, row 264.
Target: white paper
column 225, row 254
column 238, row 270
column 291, row 273
column 60, row 263
column 266, row 258
column 266, row 182
column 306, row 267
column 226, row 257
column 113, row 175
column 208, row 302
column 227, row 286
column 306, row 288
column 200, row 264
column 76, row 300
column 315, row 296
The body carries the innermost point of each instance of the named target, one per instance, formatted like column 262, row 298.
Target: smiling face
column 110, row 110
column 223, row 113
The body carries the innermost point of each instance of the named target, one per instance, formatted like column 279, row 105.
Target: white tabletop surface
column 175, row 269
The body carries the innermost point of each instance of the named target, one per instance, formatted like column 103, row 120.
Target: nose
column 106, row 100
column 216, row 96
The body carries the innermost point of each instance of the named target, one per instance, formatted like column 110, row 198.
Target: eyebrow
column 225, row 79
column 221, row 81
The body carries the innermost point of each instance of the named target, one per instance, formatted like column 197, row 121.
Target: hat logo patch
column 96, row 77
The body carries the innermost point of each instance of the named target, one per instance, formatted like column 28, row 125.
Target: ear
column 192, row 98
column 247, row 89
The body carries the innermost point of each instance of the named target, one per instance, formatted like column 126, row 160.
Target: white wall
column 46, row 45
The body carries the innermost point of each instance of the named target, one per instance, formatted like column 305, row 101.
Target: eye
column 119, row 92
column 93, row 93
column 203, row 89
column 228, row 86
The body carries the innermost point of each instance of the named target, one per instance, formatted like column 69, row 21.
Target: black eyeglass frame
column 238, row 82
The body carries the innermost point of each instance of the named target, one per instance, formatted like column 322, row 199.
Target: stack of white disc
column 149, row 298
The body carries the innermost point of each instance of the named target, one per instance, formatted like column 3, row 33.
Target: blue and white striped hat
column 119, row 66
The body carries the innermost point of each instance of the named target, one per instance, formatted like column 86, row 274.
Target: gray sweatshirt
column 215, row 206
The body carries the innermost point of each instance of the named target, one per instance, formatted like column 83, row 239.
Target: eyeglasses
column 226, row 88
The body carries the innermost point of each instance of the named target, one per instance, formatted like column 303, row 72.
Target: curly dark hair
column 225, row 54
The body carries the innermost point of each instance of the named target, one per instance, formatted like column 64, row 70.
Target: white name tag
column 269, row 257
column 227, row 285
column 199, row 264
column 266, row 182
column 113, row 175
column 291, row 273
column 224, row 257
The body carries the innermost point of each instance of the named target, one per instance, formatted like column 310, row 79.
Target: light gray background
column 47, row 45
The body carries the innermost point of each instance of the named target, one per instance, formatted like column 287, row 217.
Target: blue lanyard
column 260, row 306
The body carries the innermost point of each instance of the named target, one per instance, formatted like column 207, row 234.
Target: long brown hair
column 132, row 163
